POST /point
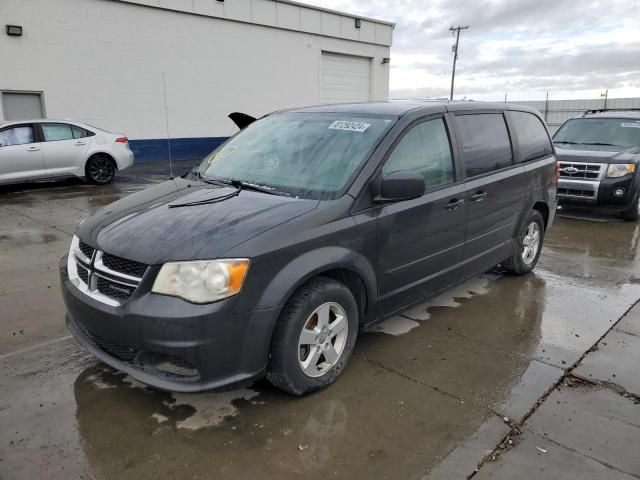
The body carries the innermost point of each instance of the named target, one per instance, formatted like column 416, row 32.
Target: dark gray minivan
column 299, row 231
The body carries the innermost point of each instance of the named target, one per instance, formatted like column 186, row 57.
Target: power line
column 455, row 53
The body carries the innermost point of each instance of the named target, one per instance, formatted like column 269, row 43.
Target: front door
column 64, row 149
column 20, row 154
column 495, row 187
column 420, row 241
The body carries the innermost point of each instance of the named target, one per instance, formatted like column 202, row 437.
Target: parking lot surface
column 503, row 377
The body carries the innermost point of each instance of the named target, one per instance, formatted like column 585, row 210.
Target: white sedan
column 51, row 149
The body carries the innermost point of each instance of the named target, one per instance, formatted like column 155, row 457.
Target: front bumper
column 171, row 344
column 599, row 193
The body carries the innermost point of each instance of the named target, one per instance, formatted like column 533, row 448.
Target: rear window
column 532, row 136
column 485, row 142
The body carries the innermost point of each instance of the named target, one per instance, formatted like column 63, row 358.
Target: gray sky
column 572, row 48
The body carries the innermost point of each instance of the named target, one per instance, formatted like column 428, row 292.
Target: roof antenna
column 166, row 118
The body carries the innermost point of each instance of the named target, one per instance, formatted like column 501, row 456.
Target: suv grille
column 576, row 192
column 582, row 171
column 102, row 276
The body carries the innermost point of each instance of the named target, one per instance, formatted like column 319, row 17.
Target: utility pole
column 455, row 53
column 605, row 95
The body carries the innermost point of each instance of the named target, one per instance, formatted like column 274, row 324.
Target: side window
column 532, row 136
column 424, row 149
column 16, row 136
column 54, row 132
column 79, row 132
column 485, row 142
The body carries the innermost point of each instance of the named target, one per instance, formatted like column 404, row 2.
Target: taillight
column 122, row 139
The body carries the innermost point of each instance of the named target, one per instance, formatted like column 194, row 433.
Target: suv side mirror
column 397, row 186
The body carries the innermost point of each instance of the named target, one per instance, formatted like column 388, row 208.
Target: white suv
column 51, row 149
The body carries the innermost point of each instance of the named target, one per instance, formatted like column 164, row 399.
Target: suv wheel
column 314, row 337
column 527, row 246
column 633, row 214
column 100, row 169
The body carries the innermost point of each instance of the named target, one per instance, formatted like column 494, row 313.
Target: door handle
column 33, row 149
column 453, row 204
column 478, row 196
column 79, row 143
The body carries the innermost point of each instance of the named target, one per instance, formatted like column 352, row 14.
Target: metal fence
column 556, row 112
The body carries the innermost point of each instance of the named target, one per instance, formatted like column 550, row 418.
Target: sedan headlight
column 202, row 281
column 620, row 169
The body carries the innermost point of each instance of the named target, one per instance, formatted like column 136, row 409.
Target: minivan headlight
column 620, row 169
column 201, row 281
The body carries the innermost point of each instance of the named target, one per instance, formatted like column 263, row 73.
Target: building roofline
column 337, row 12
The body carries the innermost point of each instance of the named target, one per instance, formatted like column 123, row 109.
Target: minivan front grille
column 122, row 265
column 582, row 171
column 86, row 249
column 104, row 277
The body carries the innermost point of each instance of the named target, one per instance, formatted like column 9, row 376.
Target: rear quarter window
column 485, row 142
column 532, row 136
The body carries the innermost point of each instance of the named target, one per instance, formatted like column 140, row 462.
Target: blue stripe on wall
column 151, row 150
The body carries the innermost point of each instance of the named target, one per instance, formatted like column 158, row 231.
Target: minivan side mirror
column 397, row 186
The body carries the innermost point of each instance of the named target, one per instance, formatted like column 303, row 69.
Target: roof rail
column 601, row 110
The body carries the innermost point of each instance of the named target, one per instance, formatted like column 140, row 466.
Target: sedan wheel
column 100, row 169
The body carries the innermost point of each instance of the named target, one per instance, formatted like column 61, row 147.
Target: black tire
column 633, row 213
column 516, row 263
column 285, row 369
column 100, row 169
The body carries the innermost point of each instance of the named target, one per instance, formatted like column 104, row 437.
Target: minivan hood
column 581, row 154
column 143, row 228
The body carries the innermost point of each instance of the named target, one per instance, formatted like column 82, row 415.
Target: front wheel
column 527, row 245
column 100, row 169
column 314, row 337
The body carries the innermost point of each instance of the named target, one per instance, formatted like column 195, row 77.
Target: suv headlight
column 620, row 169
column 201, row 281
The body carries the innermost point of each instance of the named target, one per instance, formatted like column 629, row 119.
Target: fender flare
column 313, row 263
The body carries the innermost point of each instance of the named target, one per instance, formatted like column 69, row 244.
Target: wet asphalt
column 503, row 377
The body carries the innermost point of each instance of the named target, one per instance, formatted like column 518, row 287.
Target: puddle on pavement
column 411, row 318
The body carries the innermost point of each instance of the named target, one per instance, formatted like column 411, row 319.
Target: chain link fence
column 556, row 112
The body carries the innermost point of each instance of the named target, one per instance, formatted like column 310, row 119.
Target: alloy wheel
column 101, row 169
column 531, row 243
column 323, row 339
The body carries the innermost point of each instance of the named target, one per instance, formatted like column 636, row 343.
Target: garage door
column 344, row 78
column 21, row 106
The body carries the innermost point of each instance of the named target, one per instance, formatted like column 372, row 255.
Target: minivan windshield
column 299, row 154
column 619, row 133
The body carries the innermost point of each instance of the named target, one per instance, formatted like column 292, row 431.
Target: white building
column 103, row 62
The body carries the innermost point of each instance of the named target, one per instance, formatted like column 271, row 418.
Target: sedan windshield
column 612, row 132
column 308, row 155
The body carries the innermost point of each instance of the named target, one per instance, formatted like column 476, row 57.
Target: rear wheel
column 314, row 337
column 100, row 169
column 633, row 214
column 527, row 246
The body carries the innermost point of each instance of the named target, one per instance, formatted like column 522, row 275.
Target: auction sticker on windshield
column 630, row 124
column 350, row 126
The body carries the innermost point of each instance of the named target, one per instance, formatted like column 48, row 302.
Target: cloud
column 511, row 45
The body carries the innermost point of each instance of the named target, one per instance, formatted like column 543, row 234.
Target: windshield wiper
column 604, row 144
column 567, row 143
column 207, row 201
column 250, row 186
